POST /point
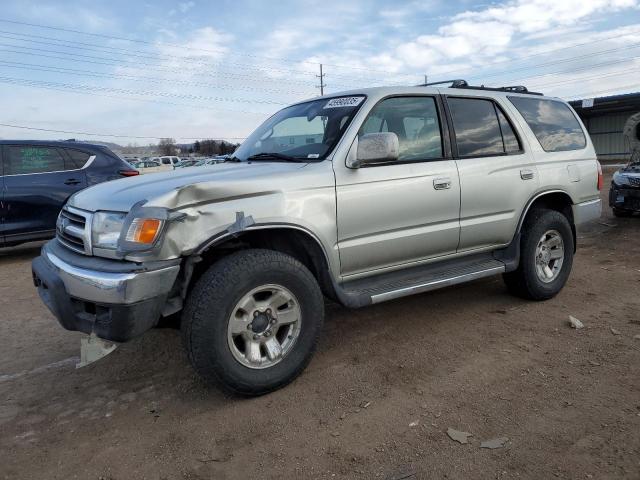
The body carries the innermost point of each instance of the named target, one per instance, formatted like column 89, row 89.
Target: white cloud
column 184, row 7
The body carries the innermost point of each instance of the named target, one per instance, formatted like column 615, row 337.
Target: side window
column 414, row 120
column 552, row 122
column 76, row 159
column 476, row 126
column 511, row 141
column 32, row 159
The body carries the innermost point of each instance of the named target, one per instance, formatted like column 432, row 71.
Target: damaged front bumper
column 624, row 198
column 114, row 300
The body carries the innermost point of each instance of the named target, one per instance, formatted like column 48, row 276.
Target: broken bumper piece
column 115, row 306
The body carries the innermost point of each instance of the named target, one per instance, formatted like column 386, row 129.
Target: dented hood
column 178, row 188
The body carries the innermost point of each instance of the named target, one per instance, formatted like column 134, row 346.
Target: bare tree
column 167, row 146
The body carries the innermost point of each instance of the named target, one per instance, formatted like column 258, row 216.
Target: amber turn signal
column 144, row 230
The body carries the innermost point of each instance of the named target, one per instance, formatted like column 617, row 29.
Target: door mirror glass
column 381, row 147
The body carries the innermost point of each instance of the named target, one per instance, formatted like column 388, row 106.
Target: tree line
column 168, row 146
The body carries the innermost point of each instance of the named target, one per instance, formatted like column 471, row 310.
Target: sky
column 132, row 72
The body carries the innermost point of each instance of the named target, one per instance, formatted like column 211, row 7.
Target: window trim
column 583, row 129
column 445, row 140
column 496, row 105
column 63, row 154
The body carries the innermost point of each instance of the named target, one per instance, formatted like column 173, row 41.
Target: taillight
column 600, row 179
column 128, row 173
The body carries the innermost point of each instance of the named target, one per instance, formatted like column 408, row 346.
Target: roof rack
column 460, row 83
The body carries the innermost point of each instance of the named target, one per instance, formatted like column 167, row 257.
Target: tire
column 207, row 320
column 525, row 281
column 622, row 213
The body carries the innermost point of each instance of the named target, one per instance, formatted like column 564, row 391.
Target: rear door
column 38, row 181
column 498, row 173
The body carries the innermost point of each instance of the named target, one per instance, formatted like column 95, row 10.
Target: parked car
column 152, row 166
column 192, row 162
column 624, row 195
column 170, row 160
column 38, row 177
column 365, row 196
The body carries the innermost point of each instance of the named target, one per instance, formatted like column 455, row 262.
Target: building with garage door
column 614, row 125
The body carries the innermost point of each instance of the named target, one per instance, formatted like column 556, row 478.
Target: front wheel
column 252, row 321
column 546, row 256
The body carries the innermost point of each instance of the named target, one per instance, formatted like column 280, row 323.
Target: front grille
column 73, row 230
column 635, row 181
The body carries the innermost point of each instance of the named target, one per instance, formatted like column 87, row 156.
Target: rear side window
column 511, row 141
column 476, row 126
column 26, row 159
column 76, row 158
column 552, row 122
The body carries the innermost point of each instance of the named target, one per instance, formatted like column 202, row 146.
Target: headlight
column 106, row 229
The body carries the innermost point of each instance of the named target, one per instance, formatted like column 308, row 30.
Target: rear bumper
column 587, row 211
column 115, row 306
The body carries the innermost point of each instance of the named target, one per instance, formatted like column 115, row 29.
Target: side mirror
column 376, row 148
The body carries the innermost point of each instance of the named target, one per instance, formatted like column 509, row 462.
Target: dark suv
column 37, row 178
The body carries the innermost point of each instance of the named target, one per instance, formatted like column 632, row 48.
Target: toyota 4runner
column 362, row 197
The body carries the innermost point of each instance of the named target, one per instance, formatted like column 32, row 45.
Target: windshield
column 305, row 131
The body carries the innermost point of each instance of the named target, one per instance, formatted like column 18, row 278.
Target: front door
column 498, row 174
column 404, row 211
column 38, row 181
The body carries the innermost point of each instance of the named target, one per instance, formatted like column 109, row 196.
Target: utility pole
column 322, row 84
column 426, row 80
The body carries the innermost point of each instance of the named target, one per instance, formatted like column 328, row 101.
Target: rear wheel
column 252, row 321
column 546, row 256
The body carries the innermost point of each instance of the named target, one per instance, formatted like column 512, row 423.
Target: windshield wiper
column 274, row 156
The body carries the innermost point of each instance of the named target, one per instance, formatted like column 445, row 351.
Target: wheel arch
column 293, row 240
column 557, row 200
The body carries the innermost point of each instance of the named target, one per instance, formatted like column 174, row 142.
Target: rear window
column 552, row 122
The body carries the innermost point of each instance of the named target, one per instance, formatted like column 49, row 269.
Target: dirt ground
column 375, row 402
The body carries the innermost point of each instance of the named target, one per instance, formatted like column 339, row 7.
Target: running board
column 401, row 283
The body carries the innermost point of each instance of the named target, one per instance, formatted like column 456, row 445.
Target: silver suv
column 361, row 197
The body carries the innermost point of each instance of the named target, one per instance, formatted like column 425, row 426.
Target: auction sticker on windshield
column 344, row 102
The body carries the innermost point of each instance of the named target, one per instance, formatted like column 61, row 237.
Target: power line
column 590, row 77
column 147, row 100
column 112, row 135
column 158, row 57
column 545, row 52
column 556, row 62
column 94, row 74
column 146, row 42
column 591, row 94
column 586, row 68
column 123, row 91
column 113, row 63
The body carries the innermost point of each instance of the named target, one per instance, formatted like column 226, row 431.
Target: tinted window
column 511, row 142
column 553, row 123
column 414, row 120
column 32, row 159
column 77, row 158
column 476, row 127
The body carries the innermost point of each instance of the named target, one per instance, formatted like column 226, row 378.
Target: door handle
column 443, row 183
column 526, row 174
column 71, row 181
